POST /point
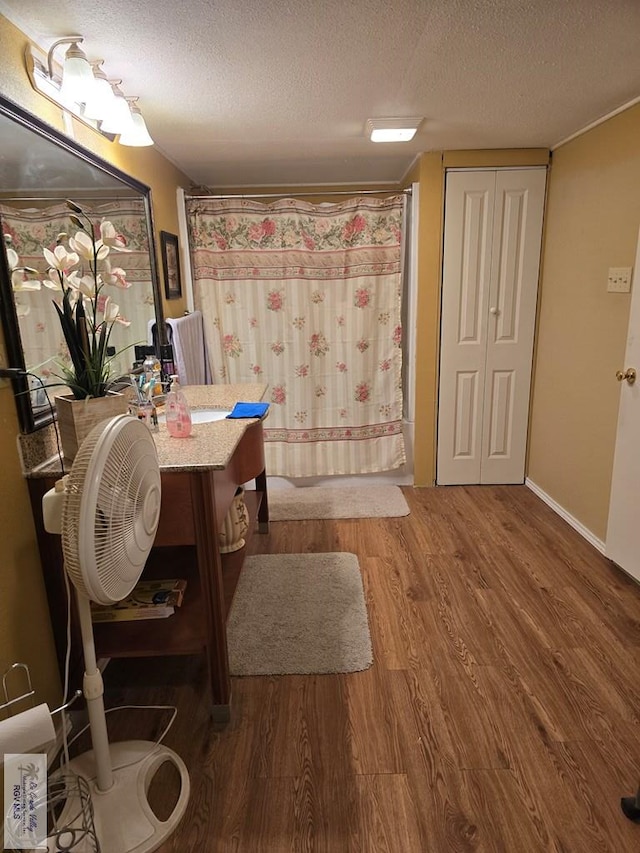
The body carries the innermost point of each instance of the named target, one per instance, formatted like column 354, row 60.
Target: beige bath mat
column 299, row 613
column 296, row 504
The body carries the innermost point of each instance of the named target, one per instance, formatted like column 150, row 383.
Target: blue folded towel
column 249, row 410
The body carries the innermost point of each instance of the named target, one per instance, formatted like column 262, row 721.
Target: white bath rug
column 296, row 504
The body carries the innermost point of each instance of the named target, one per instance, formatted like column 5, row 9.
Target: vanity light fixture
column 102, row 101
column 138, row 136
column 392, row 129
column 77, row 76
column 119, row 119
column 83, row 89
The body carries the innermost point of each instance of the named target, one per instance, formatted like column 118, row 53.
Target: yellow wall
column 430, row 179
column 25, row 632
column 593, row 214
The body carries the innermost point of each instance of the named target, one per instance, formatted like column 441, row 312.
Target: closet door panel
column 465, row 439
column 517, row 230
column 500, row 409
column 465, row 300
column 473, row 267
column 509, row 244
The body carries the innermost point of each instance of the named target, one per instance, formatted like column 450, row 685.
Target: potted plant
column 79, row 269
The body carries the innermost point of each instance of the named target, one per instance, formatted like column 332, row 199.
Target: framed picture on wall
column 171, row 265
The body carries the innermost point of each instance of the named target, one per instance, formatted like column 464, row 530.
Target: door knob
column 629, row 374
column 494, row 311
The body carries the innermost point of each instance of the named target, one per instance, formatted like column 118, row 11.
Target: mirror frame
column 28, row 421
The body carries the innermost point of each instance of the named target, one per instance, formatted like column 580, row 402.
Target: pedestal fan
column 107, row 510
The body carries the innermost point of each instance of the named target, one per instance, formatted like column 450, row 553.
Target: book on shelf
column 159, row 592
column 149, row 599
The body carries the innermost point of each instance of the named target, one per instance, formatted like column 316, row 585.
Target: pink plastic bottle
column 178, row 414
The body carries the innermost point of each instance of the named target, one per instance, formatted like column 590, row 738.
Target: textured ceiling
column 278, row 91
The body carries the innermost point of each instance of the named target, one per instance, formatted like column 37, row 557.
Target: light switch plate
column 619, row 280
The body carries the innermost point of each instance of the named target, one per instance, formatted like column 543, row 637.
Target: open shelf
column 185, row 631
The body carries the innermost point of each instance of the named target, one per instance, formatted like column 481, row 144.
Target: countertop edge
column 209, row 447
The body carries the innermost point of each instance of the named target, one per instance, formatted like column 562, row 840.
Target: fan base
column 124, row 820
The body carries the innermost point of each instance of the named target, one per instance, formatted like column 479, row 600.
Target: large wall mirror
column 39, row 170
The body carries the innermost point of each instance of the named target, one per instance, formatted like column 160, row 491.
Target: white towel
column 189, row 350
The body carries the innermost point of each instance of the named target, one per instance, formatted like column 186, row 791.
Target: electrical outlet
column 619, row 280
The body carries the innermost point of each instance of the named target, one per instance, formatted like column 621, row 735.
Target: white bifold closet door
column 492, row 236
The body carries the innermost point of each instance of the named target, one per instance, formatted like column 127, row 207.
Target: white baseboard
column 598, row 544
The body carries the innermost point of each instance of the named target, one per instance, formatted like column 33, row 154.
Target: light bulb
column 101, row 102
column 119, row 121
column 77, row 76
column 139, row 136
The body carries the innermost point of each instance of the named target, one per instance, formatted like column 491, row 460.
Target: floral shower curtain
column 307, row 298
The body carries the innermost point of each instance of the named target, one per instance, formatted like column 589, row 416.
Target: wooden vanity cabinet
column 193, row 509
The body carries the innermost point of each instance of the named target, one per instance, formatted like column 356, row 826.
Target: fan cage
column 111, row 509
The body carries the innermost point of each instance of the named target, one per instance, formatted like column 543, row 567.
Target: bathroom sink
column 203, row 416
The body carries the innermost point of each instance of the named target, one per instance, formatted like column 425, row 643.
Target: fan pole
column 93, row 689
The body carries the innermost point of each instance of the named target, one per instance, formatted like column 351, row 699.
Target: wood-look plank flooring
column 502, row 712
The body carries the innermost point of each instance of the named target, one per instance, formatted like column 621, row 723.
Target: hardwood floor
column 502, row 711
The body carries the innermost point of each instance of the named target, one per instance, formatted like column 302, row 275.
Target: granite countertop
column 210, row 445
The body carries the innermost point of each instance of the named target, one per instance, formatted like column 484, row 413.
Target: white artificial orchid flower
column 72, row 280
column 12, row 258
column 110, row 311
column 103, row 250
column 53, row 280
column 111, row 238
column 87, row 286
column 85, row 247
column 116, row 276
column 20, row 282
column 108, row 233
column 60, row 258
